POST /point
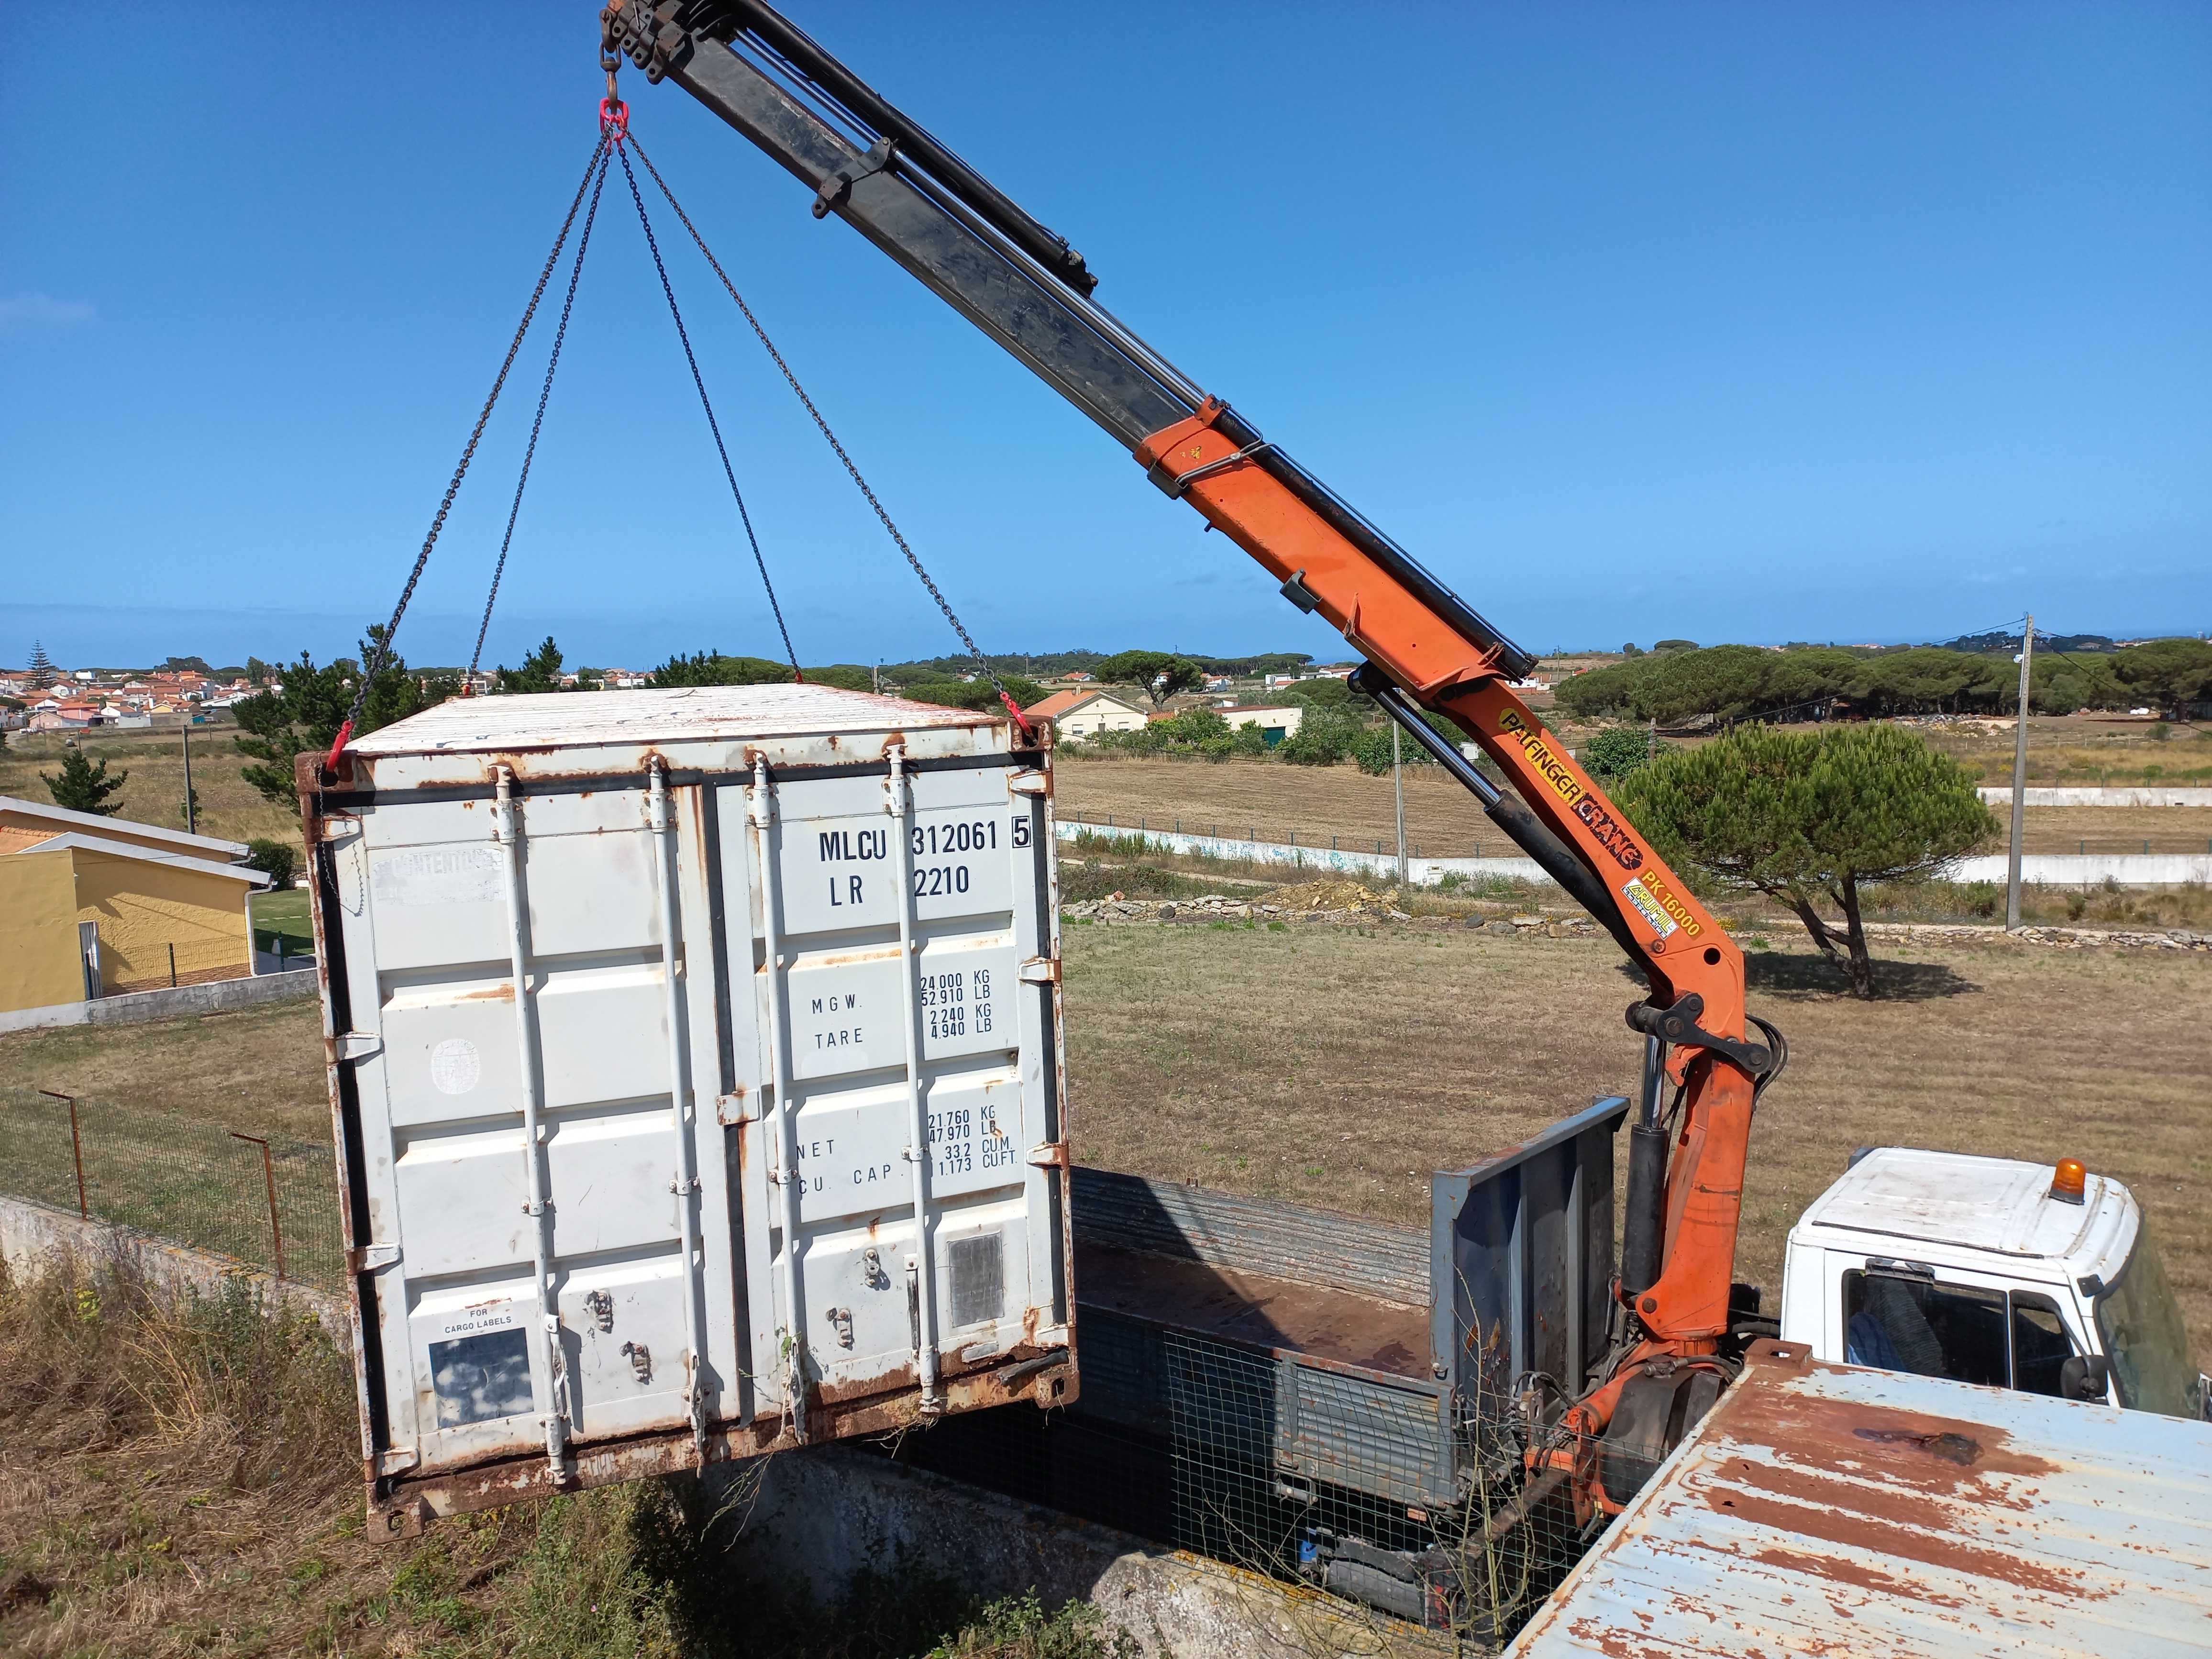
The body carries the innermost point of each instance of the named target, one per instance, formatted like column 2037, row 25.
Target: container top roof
column 562, row 720
column 1822, row 1509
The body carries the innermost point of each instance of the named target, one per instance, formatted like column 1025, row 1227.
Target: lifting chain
column 381, row 648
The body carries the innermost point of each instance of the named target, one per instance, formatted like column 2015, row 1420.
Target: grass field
column 258, row 1070
column 1341, row 1067
column 1237, row 798
column 286, row 913
column 155, row 793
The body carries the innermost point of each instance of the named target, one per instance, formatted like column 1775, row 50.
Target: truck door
column 1902, row 1316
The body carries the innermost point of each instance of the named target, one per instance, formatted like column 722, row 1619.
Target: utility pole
column 191, row 817
column 2019, row 781
column 1398, row 787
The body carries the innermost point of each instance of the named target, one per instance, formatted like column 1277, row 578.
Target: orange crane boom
column 1424, row 648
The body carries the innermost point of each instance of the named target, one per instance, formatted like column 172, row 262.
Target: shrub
column 1615, row 752
column 1324, row 737
column 279, row 860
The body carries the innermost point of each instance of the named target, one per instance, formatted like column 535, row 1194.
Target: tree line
column 1680, row 683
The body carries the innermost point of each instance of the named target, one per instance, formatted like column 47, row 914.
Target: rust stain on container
column 1827, row 1508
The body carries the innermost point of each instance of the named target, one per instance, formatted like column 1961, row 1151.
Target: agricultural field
column 1340, row 1066
column 228, row 806
column 1238, row 797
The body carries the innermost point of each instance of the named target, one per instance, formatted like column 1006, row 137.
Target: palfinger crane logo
column 1612, row 835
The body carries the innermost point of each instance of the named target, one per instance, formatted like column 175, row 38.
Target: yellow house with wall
column 80, row 892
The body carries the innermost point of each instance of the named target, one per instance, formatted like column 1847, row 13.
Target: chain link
column 380, row 651
column 853, row 471
column 560, row 336
column 622, row 152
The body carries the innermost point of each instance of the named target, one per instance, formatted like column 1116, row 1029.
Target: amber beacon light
column 2068, row 1181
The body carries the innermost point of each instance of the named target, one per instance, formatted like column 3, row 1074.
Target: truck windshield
column 2144, row 1338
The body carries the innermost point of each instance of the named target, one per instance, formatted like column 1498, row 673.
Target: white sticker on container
column 455, row 1065
column 424, row 876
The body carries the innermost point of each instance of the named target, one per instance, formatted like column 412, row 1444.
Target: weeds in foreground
column 178, row 1473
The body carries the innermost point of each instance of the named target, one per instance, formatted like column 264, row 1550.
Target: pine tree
column 84, row 786
column 42, row 665
column 540, row 672
column 1809, row 818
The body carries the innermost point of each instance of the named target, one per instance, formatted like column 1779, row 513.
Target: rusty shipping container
column 1825, row 1509
column 655, row 1020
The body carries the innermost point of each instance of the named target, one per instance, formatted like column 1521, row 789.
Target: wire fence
column 269, row 1202
column 1462, row 1523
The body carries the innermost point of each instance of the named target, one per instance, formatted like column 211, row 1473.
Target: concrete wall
column 38, row 960
column 2051, row 869
column 131, row 1007
column 2089, row 869
column 2139, row 795
column 819, row 1516
column 35, row 1237
column 144, row 908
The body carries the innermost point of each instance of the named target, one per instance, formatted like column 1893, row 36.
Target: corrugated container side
column 1824, row 1509
column 655, row 1020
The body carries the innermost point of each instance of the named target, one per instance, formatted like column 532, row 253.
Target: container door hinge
column 1030, row 783
column 1040, row 970
column 1053, row 1155
column 368, row 1258
column 359, row 1045
column 397, row 1461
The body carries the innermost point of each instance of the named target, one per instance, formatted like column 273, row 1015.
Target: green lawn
column 283, row 913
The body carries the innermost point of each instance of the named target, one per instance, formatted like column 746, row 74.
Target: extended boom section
column 1022, row 284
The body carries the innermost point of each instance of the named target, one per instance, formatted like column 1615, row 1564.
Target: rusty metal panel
column 1824, row 1508
column 694, row 1062
column 1521, row 1251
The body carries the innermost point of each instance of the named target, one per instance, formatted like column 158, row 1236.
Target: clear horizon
column 1715, row 323
column 573, row 658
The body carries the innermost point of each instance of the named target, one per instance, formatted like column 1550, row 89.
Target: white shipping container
column 655, row 1019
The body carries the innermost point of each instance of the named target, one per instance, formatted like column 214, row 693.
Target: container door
column 902, row 1001
column 535, row 1288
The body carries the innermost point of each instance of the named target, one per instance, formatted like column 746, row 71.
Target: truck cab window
column 1904, row 1323
column 2040, row 1346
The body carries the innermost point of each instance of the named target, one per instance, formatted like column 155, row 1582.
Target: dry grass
column 257, row 1070
column 1442, row 821
column 2116, row 828
column 1340, row 1066
column 228, row 806
column 1243, row 1058
column 180, row 1476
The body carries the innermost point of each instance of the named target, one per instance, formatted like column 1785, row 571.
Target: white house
column 1086, row 713
column 1275, row 722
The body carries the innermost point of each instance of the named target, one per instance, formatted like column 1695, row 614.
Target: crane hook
column 614, row 114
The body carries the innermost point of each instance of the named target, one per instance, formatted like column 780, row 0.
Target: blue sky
column 1870, row 322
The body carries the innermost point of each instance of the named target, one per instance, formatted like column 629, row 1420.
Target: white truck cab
column 1987, row 1270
